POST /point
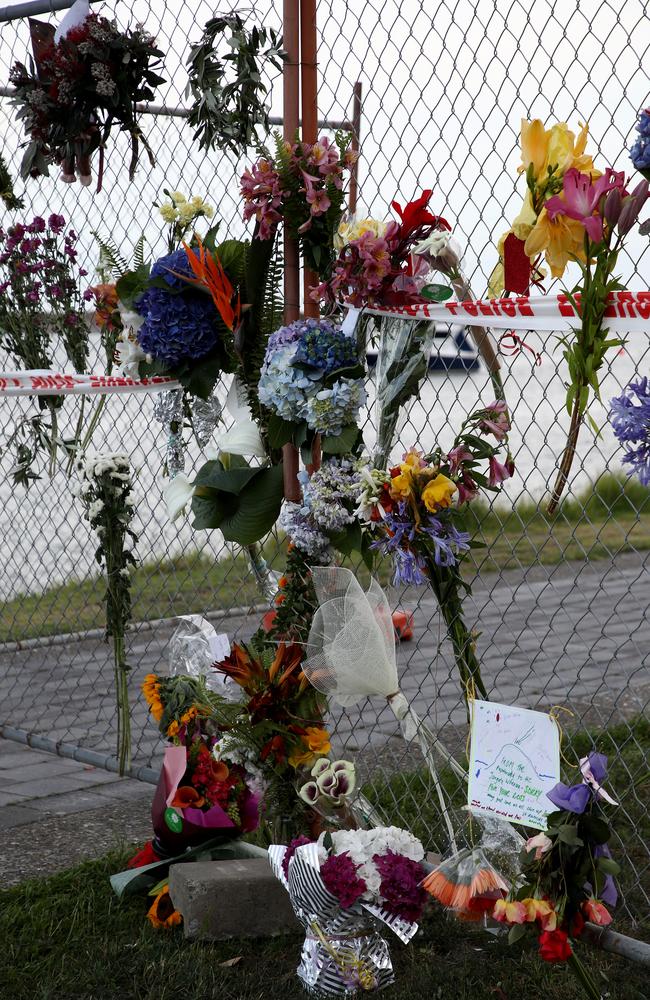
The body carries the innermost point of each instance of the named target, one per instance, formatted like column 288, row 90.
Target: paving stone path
column 575, row 634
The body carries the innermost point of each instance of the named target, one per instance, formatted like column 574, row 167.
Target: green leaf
column 516, row 932
column 132, row 284
column 214, row 476
column 608, row 866
column 568, row 834
column 280, row 431
column 258, row 508
column 343, row 443
column 349, row 540
column 201, row 378
column 595, row 829
column 210, row 507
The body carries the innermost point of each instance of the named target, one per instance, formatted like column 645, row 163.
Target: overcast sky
column 445, row 85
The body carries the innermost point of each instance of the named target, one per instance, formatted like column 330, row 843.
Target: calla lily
column 177, row 494
column 594, row 771
column 242, row 439
column 321, row 765
column 309, row 793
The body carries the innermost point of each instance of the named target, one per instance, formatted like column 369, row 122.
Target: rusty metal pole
column 291, row 105
column 354, row 146
column 309, row 95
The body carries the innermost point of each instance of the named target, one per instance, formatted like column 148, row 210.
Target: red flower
column 146, row 856
column 415, row 214
column 554, row 946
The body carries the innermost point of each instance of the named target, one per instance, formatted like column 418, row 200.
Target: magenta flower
column 339, row 874
column 500, row 471
column 496, row 420
column 400, row 890
column 457, row 456
column 580, row 199
column 318, row 201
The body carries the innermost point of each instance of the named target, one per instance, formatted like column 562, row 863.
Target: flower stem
column 94, row 420
column 569, row 451
column 53, row 440
column 583, row 977
column 77, row 437
column 123, row 708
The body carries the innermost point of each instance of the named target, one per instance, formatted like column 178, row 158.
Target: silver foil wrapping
column 168, row 411
column 206, row 414
column 343, row 954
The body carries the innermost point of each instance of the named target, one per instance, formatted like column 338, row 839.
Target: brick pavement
column 575, row 634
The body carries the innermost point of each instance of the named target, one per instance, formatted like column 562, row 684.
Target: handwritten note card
column 514, row 762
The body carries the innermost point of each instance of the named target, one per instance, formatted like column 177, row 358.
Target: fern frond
column 138, row 253
column 111, row 255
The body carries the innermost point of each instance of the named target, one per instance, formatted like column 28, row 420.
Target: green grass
column 68, row 938
column 611, row 518
column 627, row 746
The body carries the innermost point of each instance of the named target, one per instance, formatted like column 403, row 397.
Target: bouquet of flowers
column 278, row 722
column 341, row 888
column 568, row 872
column 79, row 86
column 312, row 382
column 202, row 792
column 303, row 187
column 377, row 264
column 40, row 304
column 416, row 514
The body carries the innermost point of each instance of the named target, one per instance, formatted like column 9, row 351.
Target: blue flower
column 409, row 568
column 640, row 152
column 177, row 326
column 298, row 358
column 631, row 424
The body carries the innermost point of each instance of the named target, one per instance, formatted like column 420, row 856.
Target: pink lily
column 581, row 198
column 318, row 201
column 500, row 471
column 457, row 456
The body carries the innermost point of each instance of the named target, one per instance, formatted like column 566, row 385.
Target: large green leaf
column 258, row 508
column 343, row 443
column 244, row 515
column 280, row 431
column 216, row 477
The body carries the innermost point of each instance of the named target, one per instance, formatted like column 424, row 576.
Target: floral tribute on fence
column 85, row 79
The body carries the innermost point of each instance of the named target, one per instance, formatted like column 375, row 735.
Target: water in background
column 46, row 540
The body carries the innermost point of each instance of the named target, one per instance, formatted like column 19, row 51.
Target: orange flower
column 510, row 912
column 187, row 717
column 172, row 729
column 187, row 796
column 282, row 582
column 209, row 272
column 162, row 913
column 316, row 742
column 540, row 909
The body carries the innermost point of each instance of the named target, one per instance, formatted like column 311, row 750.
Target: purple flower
column 37, row 225
column 339, row 874
column 409, row 568
column 630, row 419
column 609, row 892
column 56, row 223
column 291, row 850
column 574, row 798
column 640, row 152
column 401, row 892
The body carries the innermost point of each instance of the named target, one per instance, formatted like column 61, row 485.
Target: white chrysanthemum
column 168, row 212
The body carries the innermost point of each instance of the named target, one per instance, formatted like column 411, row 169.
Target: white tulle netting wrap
column 351, row 645
column 351, row 655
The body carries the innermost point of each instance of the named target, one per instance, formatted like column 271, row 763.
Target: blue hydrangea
column 330, row 410
column 298, row 358
column 630, row 418
column 176, row 327
column 640, row 152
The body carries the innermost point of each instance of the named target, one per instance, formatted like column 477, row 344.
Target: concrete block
column 226, row 899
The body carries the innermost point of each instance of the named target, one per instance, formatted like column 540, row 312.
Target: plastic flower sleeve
column 343, row 952
column 402, row 365
column 194, row 647
column 351, row 655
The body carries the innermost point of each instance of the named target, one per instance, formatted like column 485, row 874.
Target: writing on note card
column 514, row 762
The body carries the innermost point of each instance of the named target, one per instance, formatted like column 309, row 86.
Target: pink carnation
column 339, row 873
column 401, row 892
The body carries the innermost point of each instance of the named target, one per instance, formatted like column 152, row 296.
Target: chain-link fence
column 561, row 606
